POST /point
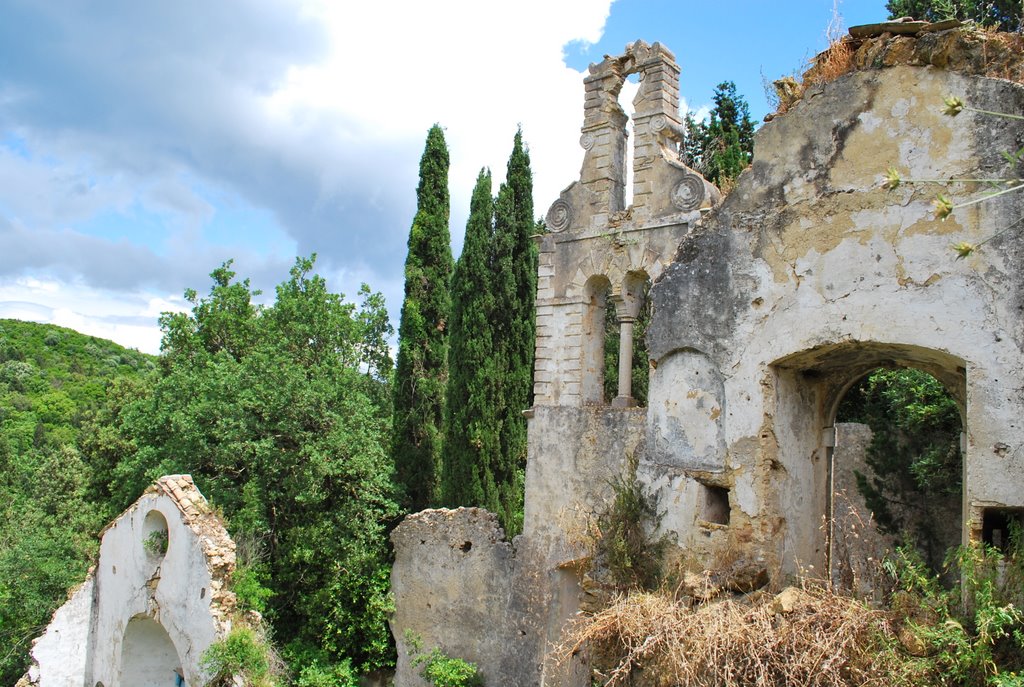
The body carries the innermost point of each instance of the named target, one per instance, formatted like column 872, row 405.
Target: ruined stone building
column 767, row 306
column 155, row 601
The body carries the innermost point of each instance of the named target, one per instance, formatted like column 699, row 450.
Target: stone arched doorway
column 148, row 656
column 810, row 386
column 896, row 472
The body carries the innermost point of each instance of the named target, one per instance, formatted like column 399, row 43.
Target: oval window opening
column 154, row 536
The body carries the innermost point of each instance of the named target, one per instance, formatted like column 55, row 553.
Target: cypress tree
column 422, row 370
column 472, row 448
column 514, row 269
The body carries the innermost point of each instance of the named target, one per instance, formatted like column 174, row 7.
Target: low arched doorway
column 148, row 656
column 897, row 469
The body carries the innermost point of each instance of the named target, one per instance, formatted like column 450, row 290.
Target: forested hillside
column 52, row 383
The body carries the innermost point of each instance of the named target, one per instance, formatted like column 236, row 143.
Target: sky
column 143, row 144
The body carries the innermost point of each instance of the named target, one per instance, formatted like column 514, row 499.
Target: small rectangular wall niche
column 997, row 523
column 716, row 505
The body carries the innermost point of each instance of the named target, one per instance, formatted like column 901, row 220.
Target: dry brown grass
column 836, row 60
column 820, row 639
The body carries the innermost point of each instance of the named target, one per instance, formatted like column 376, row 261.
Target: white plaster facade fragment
column 155, row 601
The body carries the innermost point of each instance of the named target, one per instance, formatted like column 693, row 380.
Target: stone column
column 625, row 398
column 604, row 138
column 627, row 308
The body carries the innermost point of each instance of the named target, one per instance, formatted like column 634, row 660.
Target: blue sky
column 142, row 144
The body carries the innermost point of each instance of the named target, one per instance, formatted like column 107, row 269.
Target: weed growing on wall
column 244, row 653
column 626, row 545
column 973, row 634
column 996, row 186
column 156, row 543
column 440, row 669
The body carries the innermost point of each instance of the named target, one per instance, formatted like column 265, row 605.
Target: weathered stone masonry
column 767, row 308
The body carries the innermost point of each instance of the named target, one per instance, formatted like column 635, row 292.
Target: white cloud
column 130, row 320
column 479, row 69
column 313, row 112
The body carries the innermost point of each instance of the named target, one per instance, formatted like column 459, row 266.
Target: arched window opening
column 897, row 462
column 626, row 363
column 593, row 363
column 155, row 538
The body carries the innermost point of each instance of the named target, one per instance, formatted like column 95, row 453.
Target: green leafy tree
column 723, row 146
column 422, row 373
column 472, row 448
column 269, row 409
column 514, row 266
column 1004, row 14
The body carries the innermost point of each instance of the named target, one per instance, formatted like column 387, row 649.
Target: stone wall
column 457, row 596
column 767, row 307
column 810, row 274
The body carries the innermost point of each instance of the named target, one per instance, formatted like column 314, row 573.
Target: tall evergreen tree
column 1004, row 14
column 422, row 371
column 472, row 448
column 514, row 264
column 723, row 146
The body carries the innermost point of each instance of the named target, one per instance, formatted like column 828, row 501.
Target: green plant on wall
column 244, row 653
column 156, row 543
column 440, row 669
column 627, row 546
column 973, row 634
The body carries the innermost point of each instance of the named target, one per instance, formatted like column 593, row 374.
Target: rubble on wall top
column 182, row 490
column 949, row 45
column 905, row 26
column 945, row 45
column 201, row 518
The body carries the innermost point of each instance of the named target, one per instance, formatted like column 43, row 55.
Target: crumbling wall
column 810, row 274
column 155, row 601
column 453, row 584
column 857, row 545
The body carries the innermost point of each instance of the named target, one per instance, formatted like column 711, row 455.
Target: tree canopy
column 1004, row 14
column 52, row 382
column 515, row 287
column 721, row 147
column 274, row 410
column 491, row 382
column 472, row 448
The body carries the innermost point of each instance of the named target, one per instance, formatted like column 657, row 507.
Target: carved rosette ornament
column 559, row 217
column 658, row 122
column 587, row 141
column 688, row 194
